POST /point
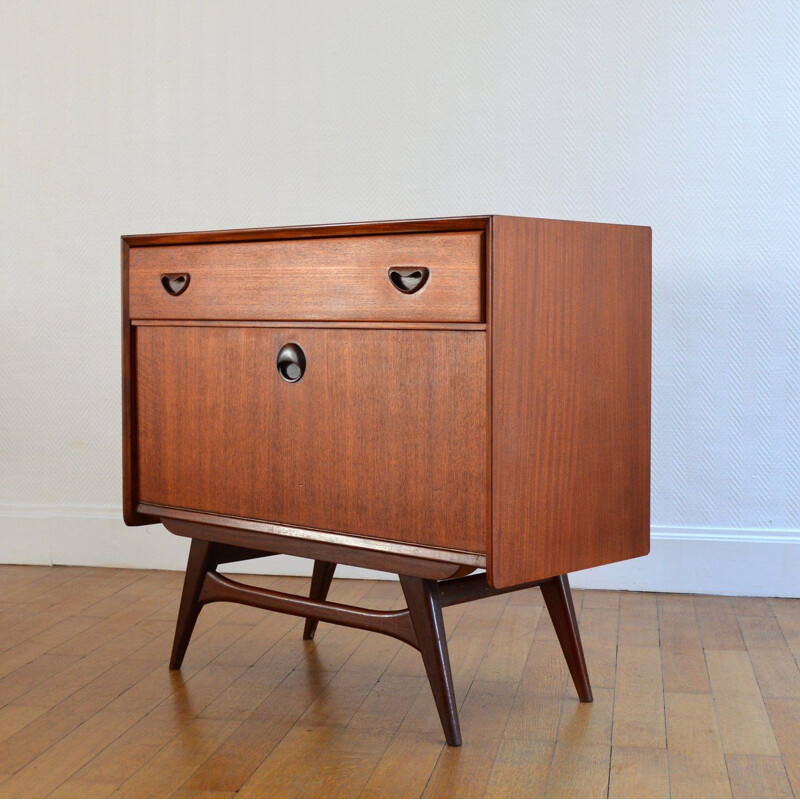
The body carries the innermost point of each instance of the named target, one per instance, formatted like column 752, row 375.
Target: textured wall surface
column 131, row 117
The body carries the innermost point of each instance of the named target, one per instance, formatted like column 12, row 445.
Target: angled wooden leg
column 202, row 559
column 425, row 607
column 320, row 583
column 558, row 599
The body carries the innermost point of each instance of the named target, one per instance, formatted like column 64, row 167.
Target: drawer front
column 383, row 436
column 329, row 279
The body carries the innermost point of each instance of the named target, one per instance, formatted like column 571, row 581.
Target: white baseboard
column 694, row 560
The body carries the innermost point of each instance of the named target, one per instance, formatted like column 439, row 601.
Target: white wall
column 131, row 117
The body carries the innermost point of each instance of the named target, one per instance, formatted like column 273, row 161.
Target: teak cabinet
column 429, row 397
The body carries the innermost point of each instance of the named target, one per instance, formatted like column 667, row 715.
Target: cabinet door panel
column 384, row 435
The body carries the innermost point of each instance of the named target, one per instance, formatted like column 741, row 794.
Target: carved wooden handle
column 175, row 283
column 291, row 362
column 409, row 279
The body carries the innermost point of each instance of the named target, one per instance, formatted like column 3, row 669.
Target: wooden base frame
column 420, row 624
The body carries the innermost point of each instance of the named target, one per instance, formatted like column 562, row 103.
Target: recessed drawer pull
column 175, row 283
column 291, row 362
column 409, row 279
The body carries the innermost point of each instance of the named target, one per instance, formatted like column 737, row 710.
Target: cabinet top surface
column 474, row 223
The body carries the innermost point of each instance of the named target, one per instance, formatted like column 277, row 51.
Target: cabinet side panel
column 571, row 319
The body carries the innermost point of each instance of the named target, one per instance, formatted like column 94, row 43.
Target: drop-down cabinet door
column 378, row 433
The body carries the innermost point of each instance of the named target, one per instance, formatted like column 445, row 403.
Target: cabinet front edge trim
column 329, row 537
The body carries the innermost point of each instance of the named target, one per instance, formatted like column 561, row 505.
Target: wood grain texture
column 338, row 278
column 358, row 551
column 218, row 588
column 570, row 418
column 435, row 225
column 90, row 724
column 320, row 584
column 384, row 436
column 130, row 489
column 274, row 323
column 202, row 559
column 565, row 374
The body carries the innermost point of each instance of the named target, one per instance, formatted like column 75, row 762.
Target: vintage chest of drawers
column 428, row 397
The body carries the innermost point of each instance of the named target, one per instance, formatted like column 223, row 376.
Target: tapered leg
column 558, row 598
column 424, row 605
column 202, row 559
column 320, row 583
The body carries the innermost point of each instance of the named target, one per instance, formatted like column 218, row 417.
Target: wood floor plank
column 279, row 658
column 69, row 598
column 134, row 748
column 758, row 776
column 638, row 620
column 639, row 720
column 420, row 732
column 246, row 692
column 387, row 703
column 587, row 723
column 761, row 632
column 107, row 693
column 27, row 676
column 340, row 700
column 696, row 761
column 752, row 606
column 683, row 662
column 594, row 598
column 168, row 699
column 117, row 624
column 528, row 597
column 744, row 725
column 520, row 769
column 14, row 718
column 234, row 761
column 229, row 767
column 65, row 630
column 777, row 672
column 639, row 670
column 83, row 789
column 579, row 770
column 508, row 649
column 787, row 613
column 676, row 603
column 170, row 767
column 784, row 714
column 317, row 762
column 694, row 696
column 248, row 649
column 601, row 661
column 405, row 766
column 20, row 655
column 536, row 709
column 599, row 626
column 59, row 762
column 719, row 625
column 66, row 716
column 639, row 772
column 15, row 617
column 465, row 771
column 83, row 671
column 731, row 673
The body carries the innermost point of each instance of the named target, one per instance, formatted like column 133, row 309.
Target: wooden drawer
column 325, row 279
column 385, row 434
